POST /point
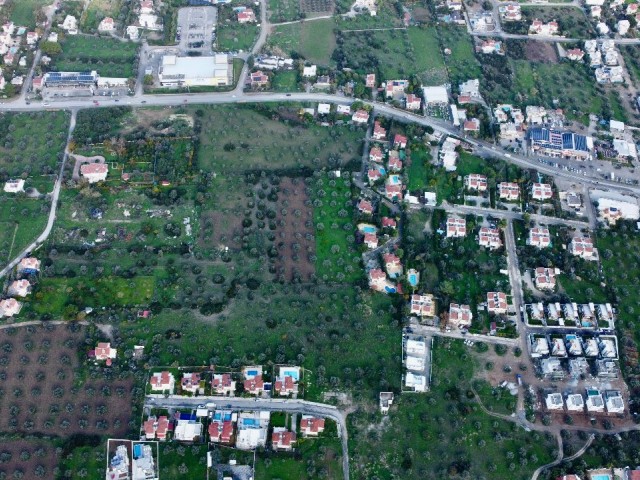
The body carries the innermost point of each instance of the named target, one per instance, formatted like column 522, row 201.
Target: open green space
column 461, row 63
column 96, row 11
column 182, row 461
column 314, row 458
column 283, row 10
column 443, row 433
column 632, row 61
column 22, row 220
column 32, row 143
column 572, row 22
column 239, row 138
column 232, row 35
column 314, row 40
column 286, row 81
column 108, row 56
column 337, row 259
column 424, row 44
column 496, row 399
column 25, row 12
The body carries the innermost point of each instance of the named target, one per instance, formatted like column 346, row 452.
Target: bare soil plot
column 541, row 52
column 32, row 458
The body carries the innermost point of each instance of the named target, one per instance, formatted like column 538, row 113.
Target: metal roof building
column 70, row 78
column 195, row 71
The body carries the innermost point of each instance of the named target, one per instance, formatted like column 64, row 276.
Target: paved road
column 456, row 334
column 560, row 457
column 553, row 39
column 515, row 279
column 54, row 204
column 270, row 404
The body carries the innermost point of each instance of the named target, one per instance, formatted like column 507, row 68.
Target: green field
column 461, row 64
column 283, row 10
column 337, row 258
column 177, row 461
column 108, row 56
column 313, row 40
column 23, row 12
column 443, row 433
column 22, row 220
column 235, row 36
column 246, row 138
column 285, row 81
column 32, row 143
column 424, row 43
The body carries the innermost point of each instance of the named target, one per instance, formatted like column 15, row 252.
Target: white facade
column 194, row 71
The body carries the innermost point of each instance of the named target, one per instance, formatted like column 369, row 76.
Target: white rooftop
column 435, row 94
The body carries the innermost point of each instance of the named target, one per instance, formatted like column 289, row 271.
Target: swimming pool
column 382, row 170
column 394, row 179
column 390, row 289
column 413, row 279
column 137, row 451
column 601, row 476
column 369, row 229
column 250, row 422
column 252, row 373
column 291, row 373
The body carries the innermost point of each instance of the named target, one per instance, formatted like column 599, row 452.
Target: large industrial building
column 195, row 71
column 67, row 79
column 556, row 143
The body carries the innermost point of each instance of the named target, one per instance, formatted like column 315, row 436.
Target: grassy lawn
column 54, row 294
column 495, row 399
column 618, row 112
column 423, row 175
column 21, row 221
column 283, row 10
column 314, row 40
column 285, row 81
column 461, row 64
column 337, row 258
column 424, row 42
column 235, row 36
column 313, row 458
column 110, row 57
column 32, row 143
column 23, row 12
column 177, row 460
column 444, row 434
column 249, row 138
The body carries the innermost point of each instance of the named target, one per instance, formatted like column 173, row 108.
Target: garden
column 572, row 22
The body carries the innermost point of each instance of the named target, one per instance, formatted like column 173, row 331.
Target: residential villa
column 392, row 265
column 29, row 265
column 161, row 381
column 248, row 16
column 103, row 351
column 544, row 29
column 388, row 222
column 539, row 237
column 20, row 288
column 489, row 237
column 107, row 25
column 541, row 191
column 361, row 116
column 379, row 132
column 413, row 102
column 510, row 12
column 545, row 278
column 386, row 400
column 375, row 155
column 394, row 164
column 221, row 431
column 399, row 141
column 497, row 302
column 460, row 315
column 222, row 384
column 282, row 439
column 456, row 227
column 259, row 79
column 477, row 182
column 423, row 305
column 286, row 383
column 370, row 81
column 395, row 87
column 371, row 240
column 365, row 206
column 509, row 191
column 94, row 172
column 156, row 428
column 583, row 247
column 190, row 382
column 254, row 385
column 14, row 186
column 311, row 426
column 9, row 307
column 393, row 192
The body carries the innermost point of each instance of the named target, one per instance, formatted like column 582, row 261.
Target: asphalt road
column 268, row 404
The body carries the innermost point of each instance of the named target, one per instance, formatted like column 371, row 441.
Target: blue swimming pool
column 291, row 373
column 382, row 170
column 250, row 421
column 601, row 476
column 252, row 373
column 395, row 179
column 390, row 289
column 137, row 451
column 413, row 280
column 369, row 229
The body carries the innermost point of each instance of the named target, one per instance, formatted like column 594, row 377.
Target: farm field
column 283, row 10
column 32, row 458
column 24, row 12
column 236, row 37
column 462, row 64
column 443, row 432
column 108, row 56
column 314, row 40
column 424, row 43
column 244, row 138
column 21, row 222
column 32, row 143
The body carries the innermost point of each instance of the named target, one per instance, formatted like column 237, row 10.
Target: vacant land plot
column 443, row 433
column 390, row 53
column 283, row 10
column 424, row 42
column 177, row 460
column 108, row 56
column 337, row 258
column 285, row 81
column 572, row 22
column 32, row 143
column 21, row 221
column 24, row 12
column 632, row 61
column 461, row 63
column 540, row 52
column 28, row 459
column 316, row 7
column 272, row 138
column 314, row 40
column 43, row 391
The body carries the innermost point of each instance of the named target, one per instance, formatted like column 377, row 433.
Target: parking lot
column 196, row 29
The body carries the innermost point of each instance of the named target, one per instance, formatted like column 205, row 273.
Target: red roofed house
column 508, row 191
column 161, row 381
column 221, row 431
column 32, row 38
column 575, row 54
column 21, row 288
column 36, row 83
column 373, row 175
column 190, row 382
column 371, row 80
column 222, row 384
column 497, row 302
column 107, row 25
column 94, row 172
column 29, row 265
column 259, row 79
column 576, row 477
column 361, row 116
column 388, row 223
column 413, row 102
column 462, row 99
column 246, row 16
column 460, row 315
column 393, row 192
column 104, row 351
column 254, row 386
column 395, row 164
column 377, row 279
column 541, row 191
column 456, row 227
column 146, row 6
column 545, row 278
column 489, row 237
column 539, row 237
column 379, row 132
column 472, row 125
column 285, row 386
column 365, row 206
column 311, row 426
column 9, row 58
column 423, row 305
column 371, row 240
column 400, row 141
column 632, row 474
column 156, row 428
column 282, row 439
column 539, row 28
column 582, row 247
column 392, row 265
column 475, row 181
column 375, row 154
column 9, row 307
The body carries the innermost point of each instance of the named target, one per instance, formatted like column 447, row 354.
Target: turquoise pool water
column 369, row 229
column 601, row 476
column 413, row 280
column 390, row 289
